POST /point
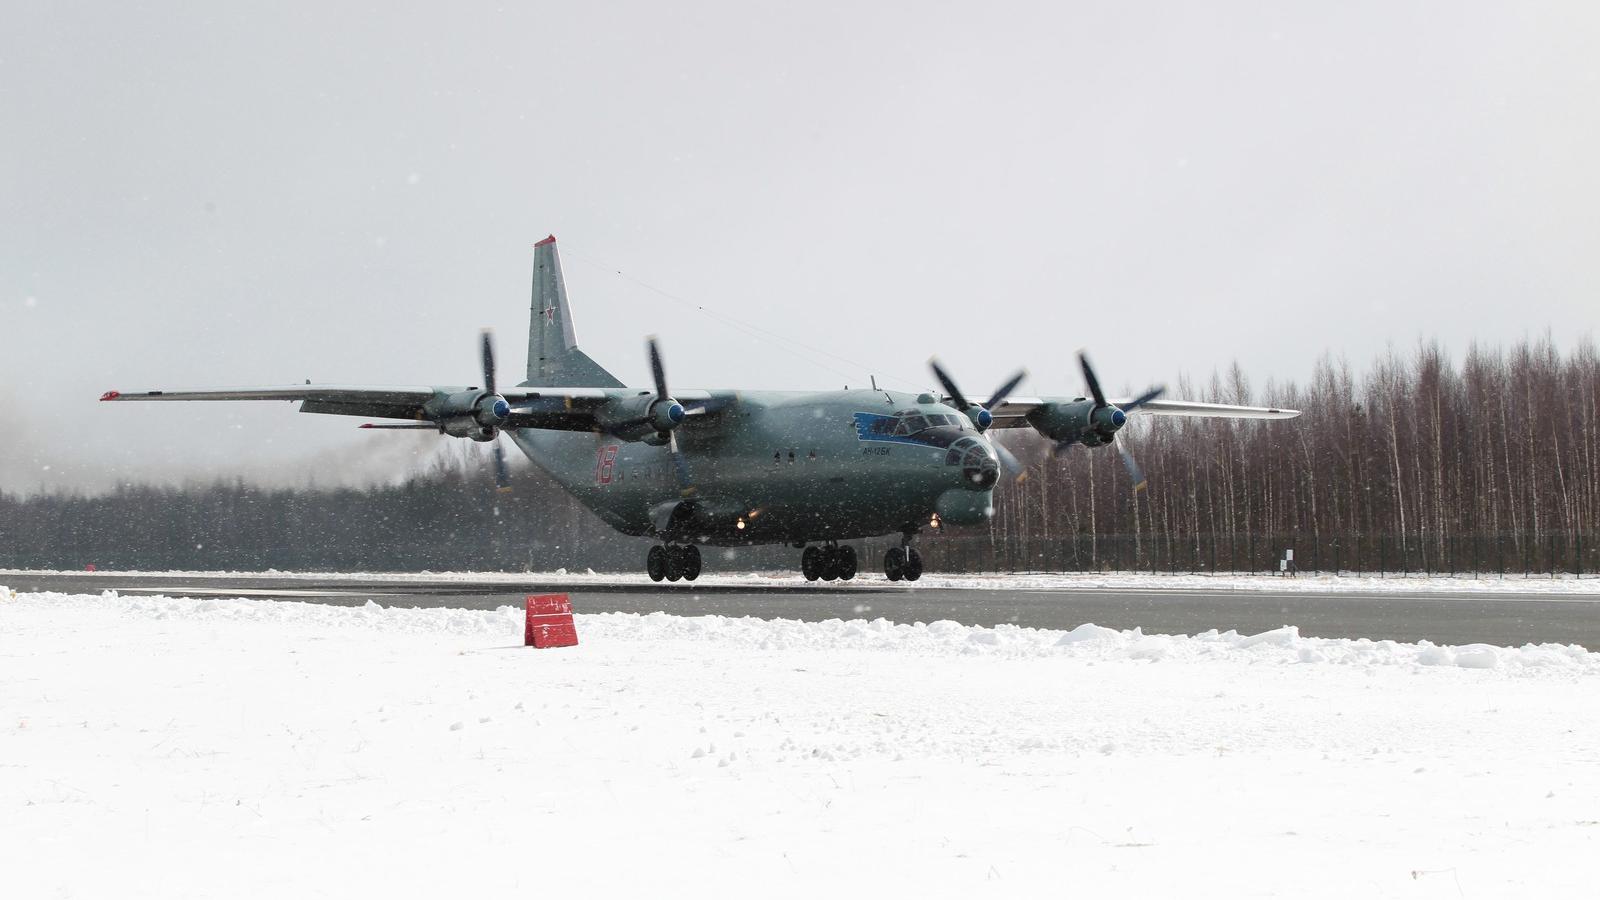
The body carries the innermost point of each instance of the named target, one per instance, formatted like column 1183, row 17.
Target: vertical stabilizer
column 554, row 359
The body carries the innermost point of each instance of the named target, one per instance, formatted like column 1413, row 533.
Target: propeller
column 1009, row 461
column 980, row 415
column 1106, row 419
column 668, row 414
column 497, row 411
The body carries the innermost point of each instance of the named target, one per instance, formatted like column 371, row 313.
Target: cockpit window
column 909, row 422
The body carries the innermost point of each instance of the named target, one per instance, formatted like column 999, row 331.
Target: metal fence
column 1547, row 553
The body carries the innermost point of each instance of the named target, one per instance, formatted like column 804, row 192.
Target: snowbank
column 163, row 747
column 1282, row 646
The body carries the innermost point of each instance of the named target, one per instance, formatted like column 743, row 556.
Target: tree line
column 1422, row 463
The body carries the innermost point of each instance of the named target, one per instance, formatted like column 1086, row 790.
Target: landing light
column 739, row 524
column 934, row 522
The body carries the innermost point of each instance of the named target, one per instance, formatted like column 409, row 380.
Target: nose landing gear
column 829, row 562
column 673, row 563
column 903, row 562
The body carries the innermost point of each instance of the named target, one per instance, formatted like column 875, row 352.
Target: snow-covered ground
column 1341, row 583
column 157, row 747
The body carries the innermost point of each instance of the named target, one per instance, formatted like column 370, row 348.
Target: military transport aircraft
column 726, row 467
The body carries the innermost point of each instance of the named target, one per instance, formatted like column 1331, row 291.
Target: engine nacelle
column 471, row 414
column 1068, row 422
column 1078, row 422
column 641, row 418
column 467, row 427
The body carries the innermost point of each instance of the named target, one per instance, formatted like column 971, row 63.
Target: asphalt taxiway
column 1508, row 619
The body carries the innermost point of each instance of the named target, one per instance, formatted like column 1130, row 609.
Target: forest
column 1489, row 464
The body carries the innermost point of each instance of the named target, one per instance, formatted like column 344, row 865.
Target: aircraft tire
column 811, row 563
column 655, row 563
column 830, row 563
column 913, row 569
column 894, row 563
column 847, row 562
column 691, row 563
column 674, row 563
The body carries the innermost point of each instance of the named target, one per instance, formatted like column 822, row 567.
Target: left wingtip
column 549, row 240
column 110, row 395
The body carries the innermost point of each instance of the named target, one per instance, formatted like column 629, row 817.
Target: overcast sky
column 209, row 195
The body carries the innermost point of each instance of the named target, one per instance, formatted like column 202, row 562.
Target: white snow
column 162, row 747
column 1509, row 585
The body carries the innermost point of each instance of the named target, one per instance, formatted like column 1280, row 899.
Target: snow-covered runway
column 175, row 747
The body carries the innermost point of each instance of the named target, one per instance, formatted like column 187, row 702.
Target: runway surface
column 1508, row 619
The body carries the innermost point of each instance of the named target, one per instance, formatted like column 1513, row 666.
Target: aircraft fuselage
column 780, row 467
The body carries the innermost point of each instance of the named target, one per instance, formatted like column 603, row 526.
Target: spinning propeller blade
column 1144, row 398
column 502, row 475
column 949, row 385
column 1093, row 382
column 657, row 370
column 1008, row 461
column 1134, row 471
column 487, row 348
column 981, row 417
column 1005, row 390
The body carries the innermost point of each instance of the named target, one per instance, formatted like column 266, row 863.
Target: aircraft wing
column 574, row 409
column 1013, row 412
column 387, row 401
column 1207, row 410
column 560, row 408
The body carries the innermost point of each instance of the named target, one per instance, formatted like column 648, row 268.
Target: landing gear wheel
column 830, row 563
column 913, row 566
column 894, row 563
column 674, row 563
column 655, row 562
column 691, row 563
column 811, row 563
column 847, row 562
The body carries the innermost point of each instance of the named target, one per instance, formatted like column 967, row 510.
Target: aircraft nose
column 979, row 467
column 984, row 477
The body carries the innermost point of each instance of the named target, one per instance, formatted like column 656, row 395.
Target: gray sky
column 194, row 195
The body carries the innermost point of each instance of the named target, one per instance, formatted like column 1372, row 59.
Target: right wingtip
column 549, row 240
column 111, row 395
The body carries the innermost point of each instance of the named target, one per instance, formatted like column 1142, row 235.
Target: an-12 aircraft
column 727, row 467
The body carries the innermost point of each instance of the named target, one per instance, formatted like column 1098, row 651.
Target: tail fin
column 554, row 359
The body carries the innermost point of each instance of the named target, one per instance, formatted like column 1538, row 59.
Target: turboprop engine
column 1091, row 422
column 473, row 414
column 647, row 417
column 651, row 418
column 1076, row 422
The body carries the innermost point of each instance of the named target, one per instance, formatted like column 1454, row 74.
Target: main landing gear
column 828, row 562
column 673, row 563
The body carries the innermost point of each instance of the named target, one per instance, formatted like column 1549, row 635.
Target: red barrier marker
column 550, row 622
